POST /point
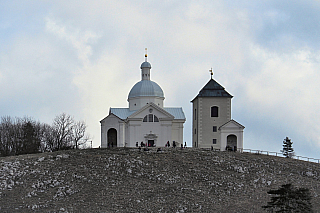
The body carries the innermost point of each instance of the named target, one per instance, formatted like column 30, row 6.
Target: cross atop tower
column 211, row 72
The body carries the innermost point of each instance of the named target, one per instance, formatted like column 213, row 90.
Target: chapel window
column 214, row 111
column 150, row 118
column 145, row 119
column 214, row 141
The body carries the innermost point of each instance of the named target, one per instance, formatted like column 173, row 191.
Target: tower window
column 214, row 111
column 195, row 114
column 214, row 141
column 214, row 128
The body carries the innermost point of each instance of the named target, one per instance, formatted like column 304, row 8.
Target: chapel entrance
column 112, row 137
column 231, row 143
column 151, row 139
column 150, row 143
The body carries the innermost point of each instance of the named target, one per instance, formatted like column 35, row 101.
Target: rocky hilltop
column 129, row 180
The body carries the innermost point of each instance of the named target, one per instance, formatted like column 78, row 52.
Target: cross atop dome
column 145, row 68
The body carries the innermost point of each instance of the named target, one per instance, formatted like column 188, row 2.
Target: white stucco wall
column 109, row 122
column 139, row 102
column 238, row 132
column 204, row 123
column 177, row 131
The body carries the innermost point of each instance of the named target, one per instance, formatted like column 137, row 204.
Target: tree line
column 25, row 135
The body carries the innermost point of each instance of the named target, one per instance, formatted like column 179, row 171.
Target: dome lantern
column 145, row 91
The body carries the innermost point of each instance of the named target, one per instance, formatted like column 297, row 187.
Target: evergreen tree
column 289, row 199
column 30, row 143
column 287, row 149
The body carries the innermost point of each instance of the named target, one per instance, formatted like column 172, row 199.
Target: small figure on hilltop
column 185, row 144
column 287, row 148
column 168, row 144
column 181, row 146
column 173, row 144
column 137, row 144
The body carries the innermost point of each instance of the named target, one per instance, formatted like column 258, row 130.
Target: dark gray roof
column 213, row 89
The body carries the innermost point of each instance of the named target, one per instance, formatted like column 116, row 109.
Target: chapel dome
column 146, row 89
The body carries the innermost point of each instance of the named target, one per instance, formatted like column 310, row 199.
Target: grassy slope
column 126, row 180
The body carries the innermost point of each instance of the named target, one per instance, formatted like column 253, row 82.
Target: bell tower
column 211, row 109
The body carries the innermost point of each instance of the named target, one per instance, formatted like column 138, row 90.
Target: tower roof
column 213, row 89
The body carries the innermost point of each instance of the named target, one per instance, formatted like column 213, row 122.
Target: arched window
column 150, row 118
column 156, row 119
column 214, row 111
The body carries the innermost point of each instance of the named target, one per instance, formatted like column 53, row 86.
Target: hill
column 129, row 180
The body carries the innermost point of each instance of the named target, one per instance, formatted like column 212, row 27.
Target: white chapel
column 212, row 125
column 146, row 120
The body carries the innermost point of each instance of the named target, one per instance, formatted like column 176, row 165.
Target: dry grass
column 127, row 180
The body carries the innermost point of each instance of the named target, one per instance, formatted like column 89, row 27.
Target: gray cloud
column 83, row 58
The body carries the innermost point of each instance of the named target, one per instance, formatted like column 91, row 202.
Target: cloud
column 83, row 57
column 79, row 40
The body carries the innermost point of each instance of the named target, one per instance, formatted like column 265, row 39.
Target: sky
column 83, row 57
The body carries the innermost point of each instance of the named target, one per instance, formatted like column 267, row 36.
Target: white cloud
column 85, row 57
column 285, row 90
column 80, row 40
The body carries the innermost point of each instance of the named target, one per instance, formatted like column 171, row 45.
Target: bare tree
column 79, row 137
column 62, row 131
column 24, row 135
column 6, row 136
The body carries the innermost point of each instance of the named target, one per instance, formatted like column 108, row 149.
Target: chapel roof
column 146, row 88
column 213, row 89
column 145, row 65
